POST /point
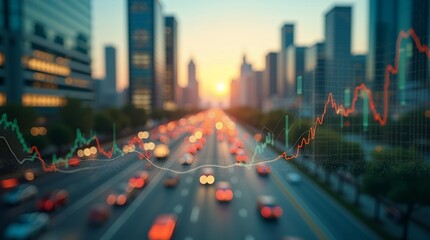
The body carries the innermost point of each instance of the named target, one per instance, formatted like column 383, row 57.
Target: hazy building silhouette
column 245, row 72
column 295, row 73
column 107, row 93
column 191, row 91
column 314, row 79
column 338, row 50
column 171, row 81
column 146, row 53
column 45, row 52
column 287, row 39
column 270, row 75
column 234, row 93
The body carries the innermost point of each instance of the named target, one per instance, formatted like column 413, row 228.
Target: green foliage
column 77, row 116
column 60, row 134
column 103, row 123
column 137, row 116
column 25, row 116
column 354, row 154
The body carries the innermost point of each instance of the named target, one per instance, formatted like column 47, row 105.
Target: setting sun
column 221, row 89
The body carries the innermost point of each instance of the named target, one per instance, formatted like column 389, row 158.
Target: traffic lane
column 160, row 200
column 331, row 218
column 250, row 185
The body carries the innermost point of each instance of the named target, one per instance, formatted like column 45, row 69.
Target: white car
column 27, row 226
column 20, row 194
column 186, row 159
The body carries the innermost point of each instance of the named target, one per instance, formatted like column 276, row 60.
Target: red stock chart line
column 340, row 109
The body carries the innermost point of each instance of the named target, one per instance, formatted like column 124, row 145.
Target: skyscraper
column 295, row 71
column 191, row 92
column 314, row 79
column 270, row 75
column 45, row 53
column 108, row 85
column 146, row 53
column 338, row 50
column 287, row 39
column 171, row 81
column 234, row 92
column 245, row 71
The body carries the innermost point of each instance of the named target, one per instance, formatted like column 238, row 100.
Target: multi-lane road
column 308, row 213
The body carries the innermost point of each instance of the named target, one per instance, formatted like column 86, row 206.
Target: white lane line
column 234, row 180
column 249, row 237
column 178, row 209
column 189, row 179
column 184, row 192
column 89, row 197
column 110, row 233
column 194, row 214
column 237, row 194
column 243, row 213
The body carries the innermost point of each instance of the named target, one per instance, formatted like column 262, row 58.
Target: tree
column 77, row 116
column 103, row 123
column 356, row 165
column 60, row 135
column 137, row 116
column 328, row 151
column 25, row 116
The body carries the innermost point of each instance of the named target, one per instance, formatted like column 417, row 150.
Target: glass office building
column 146, row 53
column 171, row 80
column 45, row 52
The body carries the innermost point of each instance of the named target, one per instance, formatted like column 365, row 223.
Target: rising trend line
column 340, row 109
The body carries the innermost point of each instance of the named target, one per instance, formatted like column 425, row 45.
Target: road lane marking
column 234, row 180
column 194, row 214
column 249, row 237
column 184, row 192
column 238, row 194
column 319, row 233
column 243, row 212
column 189, row 179
column 178, row 209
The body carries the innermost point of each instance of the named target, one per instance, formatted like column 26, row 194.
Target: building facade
column 146, row 53
column 45, row 51
column 270, row 75
column 287, row 40
column 314, row 79
column 170, row 89
column 338, row 50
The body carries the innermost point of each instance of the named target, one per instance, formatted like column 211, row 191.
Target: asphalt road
column 308, row 212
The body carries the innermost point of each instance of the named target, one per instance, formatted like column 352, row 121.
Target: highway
column 308, row 213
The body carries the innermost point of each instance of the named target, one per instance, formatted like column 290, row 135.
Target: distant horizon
column 217, row 59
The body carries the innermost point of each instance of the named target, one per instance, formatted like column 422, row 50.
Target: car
column 20, row 194
column 223, row 192
column 74, row 161
column 267, row 207
column 233, row 150
column 293, row 177
column 186, row 159
column 27, row 226
column 122, row 194
column 98, row 215
column 171, row 179
column 241, row 156
column 161, row 151
column 139, row 179
column 199, row 145
column 263, row 169
column 192, row 149
column 163, row 227
column 207, row 176
column 53, row 200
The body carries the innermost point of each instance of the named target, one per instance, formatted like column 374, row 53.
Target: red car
column 139, row 180
column 241, row 157
column 52, row 200
column 268, row 208
column 223, row 192
column 263, row 169
column 171, row 180
column 163, row 227
column 192, row 149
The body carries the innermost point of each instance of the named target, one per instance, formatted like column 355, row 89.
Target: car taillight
column 111, row 199
column 121, row 199
column 277, row 212
column 48, row 205
column 265, row 212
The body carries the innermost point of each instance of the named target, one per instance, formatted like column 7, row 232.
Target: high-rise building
column 171, row 81
column 108, row 93
column 245, row 72
column 258, row 83
column 45, row 52
column 358, row 70
column 234, row 93
column 287, row 39
column 412, row 82
column 270, row 75
column 338, row 50
column 314, row 79
column 191, row 92
column 146, row 53
column 295, row 70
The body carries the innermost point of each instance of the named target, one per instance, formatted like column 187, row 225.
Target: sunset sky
column 216, row 34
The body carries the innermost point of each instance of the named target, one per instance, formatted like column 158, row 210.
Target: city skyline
column 218, row 64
